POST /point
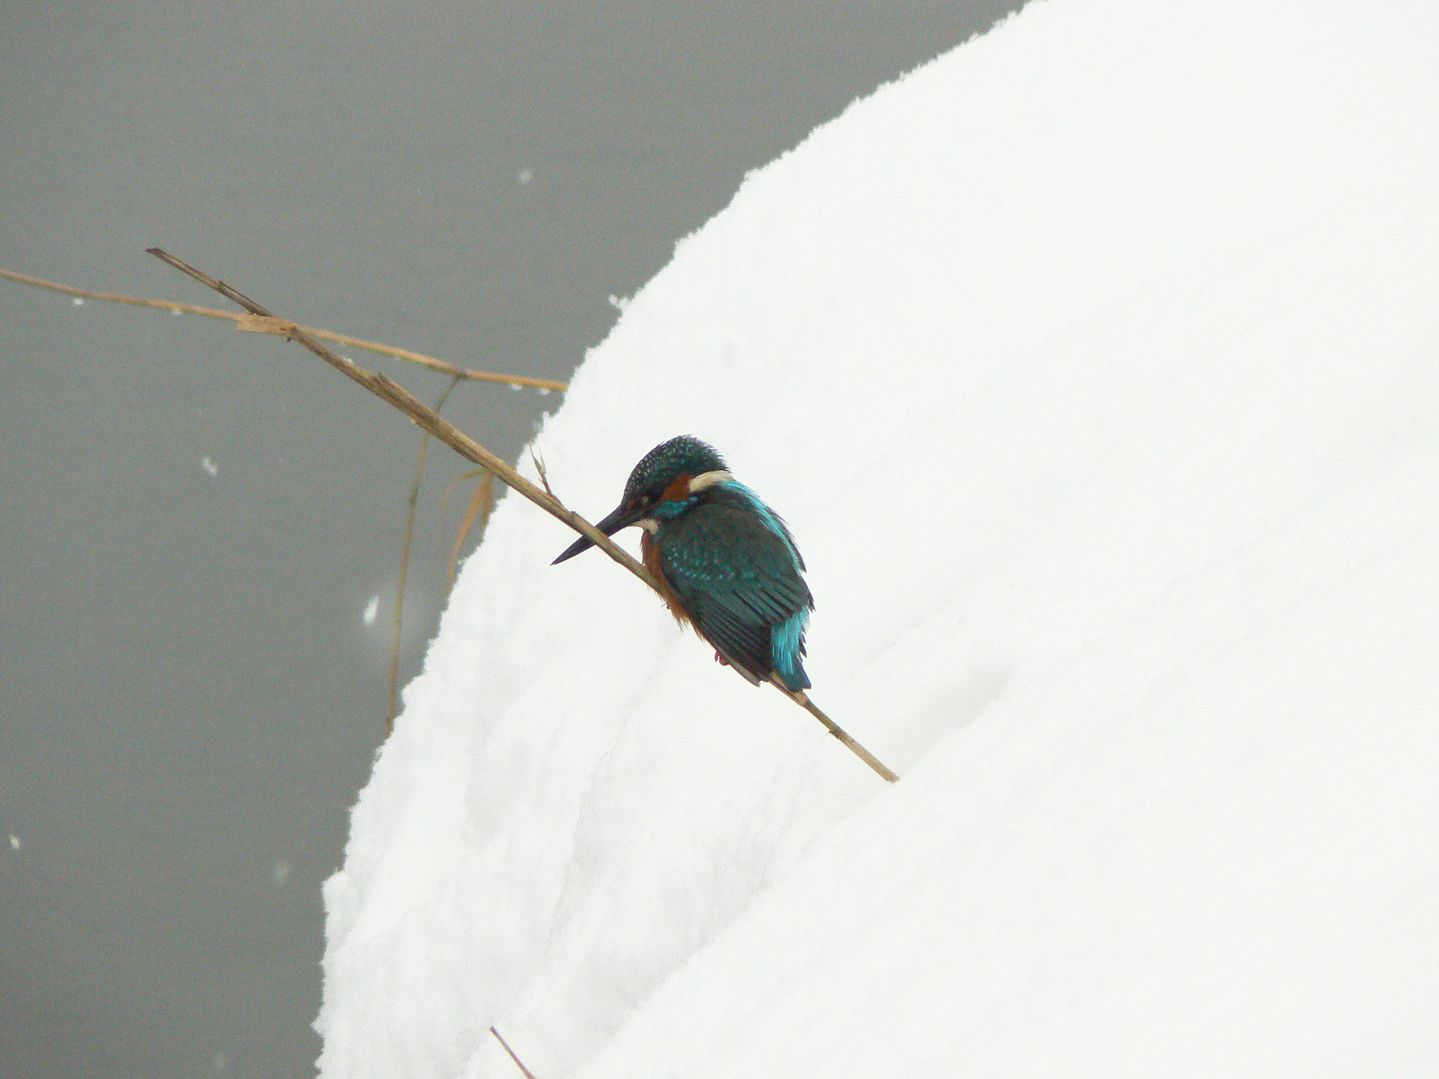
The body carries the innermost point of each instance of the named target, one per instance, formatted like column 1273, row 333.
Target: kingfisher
column 726, row 563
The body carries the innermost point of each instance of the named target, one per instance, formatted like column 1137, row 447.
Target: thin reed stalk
column 398, row 620
column 506, row 1046
column 248, row 323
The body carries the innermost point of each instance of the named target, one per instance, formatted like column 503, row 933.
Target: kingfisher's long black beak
column 612, row 522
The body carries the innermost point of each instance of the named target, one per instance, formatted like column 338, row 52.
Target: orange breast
column 650, row 551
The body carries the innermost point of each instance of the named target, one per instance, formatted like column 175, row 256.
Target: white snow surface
column 1095, row 366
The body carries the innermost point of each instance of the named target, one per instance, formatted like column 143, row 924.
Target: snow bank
column 1094, row 367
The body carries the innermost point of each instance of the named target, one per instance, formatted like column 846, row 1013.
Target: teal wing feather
column 740, row 581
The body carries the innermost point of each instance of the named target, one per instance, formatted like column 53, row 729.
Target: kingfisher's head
column 665, row 483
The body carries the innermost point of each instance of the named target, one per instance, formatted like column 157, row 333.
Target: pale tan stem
column 506, row 1046
column 801, row 698
column 397, row 625
column 425, row 418
column 261, row 324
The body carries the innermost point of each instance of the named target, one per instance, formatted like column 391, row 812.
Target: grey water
column 193, row 521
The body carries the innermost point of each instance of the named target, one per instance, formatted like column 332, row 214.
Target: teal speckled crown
column 681, row 454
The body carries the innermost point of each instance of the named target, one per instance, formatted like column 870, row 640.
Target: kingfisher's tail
column 787, row 650
column 795, row 678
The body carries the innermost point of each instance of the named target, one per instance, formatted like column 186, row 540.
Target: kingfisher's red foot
column 720, row 659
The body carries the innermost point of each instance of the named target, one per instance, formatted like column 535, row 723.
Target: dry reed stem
column 251, row 323
column 481, row 505
column 538, row 461
column 398, row 620
column 801, row 698
column 506, row 1045
column 393, row 393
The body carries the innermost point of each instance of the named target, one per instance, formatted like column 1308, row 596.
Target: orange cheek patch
column 678, row 489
